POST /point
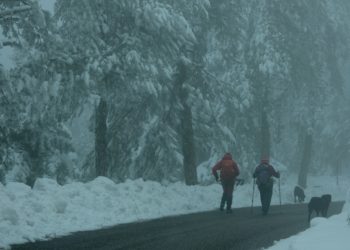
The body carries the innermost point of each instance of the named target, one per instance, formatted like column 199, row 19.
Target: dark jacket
column 270, row 170
column 228, row 168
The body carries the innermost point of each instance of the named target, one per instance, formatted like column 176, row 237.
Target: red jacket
column 228, row 168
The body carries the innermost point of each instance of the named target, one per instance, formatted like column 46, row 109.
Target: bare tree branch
column 15, row 10
column 4, row 95
column 10, row 43
column 10, row 18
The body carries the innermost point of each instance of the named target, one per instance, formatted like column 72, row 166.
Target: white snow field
column 49, row 210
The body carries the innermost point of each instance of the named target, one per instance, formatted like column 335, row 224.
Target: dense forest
column 155, row 88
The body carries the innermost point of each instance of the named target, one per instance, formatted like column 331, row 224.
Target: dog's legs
column 309, row 218
column 324, row 212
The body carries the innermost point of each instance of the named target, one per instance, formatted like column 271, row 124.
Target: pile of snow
column 48, row 209
column 323, row 234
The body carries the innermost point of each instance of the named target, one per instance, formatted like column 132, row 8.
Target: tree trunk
column 188, row 148
column 265, row 136
column 337, row 169
column 305, row 161
column 101, row 139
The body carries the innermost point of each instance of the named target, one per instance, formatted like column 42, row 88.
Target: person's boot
column 229, row 210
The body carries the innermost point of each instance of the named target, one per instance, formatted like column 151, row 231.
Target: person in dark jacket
column 263, row 173
column 228, row 172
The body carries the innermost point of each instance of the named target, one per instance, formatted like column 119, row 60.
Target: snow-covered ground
column 324, row 234
column 49, row 210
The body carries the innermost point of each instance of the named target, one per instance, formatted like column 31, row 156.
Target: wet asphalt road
column 240, row 230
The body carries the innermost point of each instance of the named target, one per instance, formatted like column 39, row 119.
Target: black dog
column 299, row 193
column 320, row 205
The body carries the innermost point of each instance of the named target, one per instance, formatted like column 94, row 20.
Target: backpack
column 227, row 169
column 263, row 175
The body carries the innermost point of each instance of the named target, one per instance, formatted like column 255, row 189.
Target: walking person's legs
column 223, row 201
column 268, row 193
column 261, row 195
column 268, row 197
column 264, row 199
column 224, row 196
column 229, row 194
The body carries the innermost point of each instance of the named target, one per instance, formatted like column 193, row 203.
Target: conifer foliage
column 154, row 88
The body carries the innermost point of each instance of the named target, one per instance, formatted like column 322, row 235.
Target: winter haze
column 102, row 94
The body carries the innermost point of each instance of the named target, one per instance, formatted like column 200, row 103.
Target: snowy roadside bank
column 48, row 209
column 323, row 234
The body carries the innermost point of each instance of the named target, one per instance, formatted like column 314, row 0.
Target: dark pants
column 227, row 187
column 265, row 197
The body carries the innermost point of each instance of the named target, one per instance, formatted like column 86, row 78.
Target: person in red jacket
column 228, row 172
column 263, row 173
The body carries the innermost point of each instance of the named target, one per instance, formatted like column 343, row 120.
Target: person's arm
column 236, row 168
column 216, row 168
column 274, row 172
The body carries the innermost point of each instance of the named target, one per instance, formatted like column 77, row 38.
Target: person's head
column 265, row 160
column 227, row 156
